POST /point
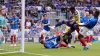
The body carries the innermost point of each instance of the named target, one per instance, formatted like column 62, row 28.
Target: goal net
column 6, row 44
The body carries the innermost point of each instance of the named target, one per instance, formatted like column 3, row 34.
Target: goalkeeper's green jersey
column 3, row 21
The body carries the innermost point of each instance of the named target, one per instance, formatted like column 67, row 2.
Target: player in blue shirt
column 45, row 23
column 14, row 22
column 86, row 18
column 91, row 23
column 54, row 41
column 89, row 34
column 51, row 42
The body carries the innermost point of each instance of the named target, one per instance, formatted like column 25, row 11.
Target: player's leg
column 86, row 39
column 15, row 36
column 40, row 38
column 60, row 40
column 1, row 37
column 12, row 37
column 75, row 36
column 69, row 35
column 81, row 35
column 47, row 34
column 69, row 40
column 89, row 37
column 66, row 44
column 60, row 23
column 15, row 40
column 72, row 29
column 42, row 35
column 63, row 45
column 75, row 27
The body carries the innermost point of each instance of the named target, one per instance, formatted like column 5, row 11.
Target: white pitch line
column 24, row 52
column 10, row 52
column 1, row 49
column 36, row 54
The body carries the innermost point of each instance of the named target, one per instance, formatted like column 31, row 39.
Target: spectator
column 35, row 15
column 86, row 18
column 28, row 24
column 27, row 13
column 39, row 26
column 48, row 8
column 32, row 22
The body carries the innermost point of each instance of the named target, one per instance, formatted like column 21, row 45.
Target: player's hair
column 90, row 12
column 72, row 8
column 44, row 15
column 96, row 14
column 0, row 8
column 14, row 13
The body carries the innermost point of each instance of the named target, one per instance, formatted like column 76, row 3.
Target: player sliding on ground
column 52, row 42
column 55, row 41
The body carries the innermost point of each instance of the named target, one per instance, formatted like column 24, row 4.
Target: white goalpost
column 23, row 27
column 6, row 48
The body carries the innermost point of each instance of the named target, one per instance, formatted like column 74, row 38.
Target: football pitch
column 36, row 49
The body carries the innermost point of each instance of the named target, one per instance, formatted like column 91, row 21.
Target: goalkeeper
column 3, row 22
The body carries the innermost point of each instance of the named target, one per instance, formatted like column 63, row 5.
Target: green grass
column 37, row 48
